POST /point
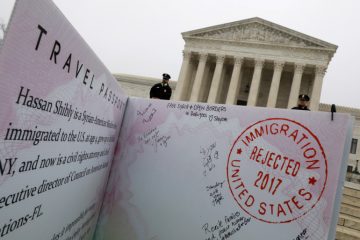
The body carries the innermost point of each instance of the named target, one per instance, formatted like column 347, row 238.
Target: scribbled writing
column 225, row 227
column 154, row 138
column 215, row 193
column 208, row 157
column 302, row 235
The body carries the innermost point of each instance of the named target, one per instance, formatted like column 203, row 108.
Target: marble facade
column 252, row 62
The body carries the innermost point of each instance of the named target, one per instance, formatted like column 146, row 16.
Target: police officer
column 161, row 90
column 303, row 102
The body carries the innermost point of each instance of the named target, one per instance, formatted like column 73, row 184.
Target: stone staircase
column 348, row 227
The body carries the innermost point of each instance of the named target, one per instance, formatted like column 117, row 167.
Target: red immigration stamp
column 277, row 170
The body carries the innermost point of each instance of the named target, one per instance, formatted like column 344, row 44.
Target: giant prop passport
column 81, row 160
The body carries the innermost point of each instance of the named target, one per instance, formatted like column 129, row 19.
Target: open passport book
column 79, row 159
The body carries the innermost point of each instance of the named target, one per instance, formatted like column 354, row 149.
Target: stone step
column 350, row 200
column 350, row 210
column 349, row 222
column 344, row 233
column 351, row 192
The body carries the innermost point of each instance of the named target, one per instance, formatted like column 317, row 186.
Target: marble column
column 215, row 83
column 195, row 93
column 295, row 86
column 255, row 82
column 235, row 81
column 183, row 80
column 275, row 83
column 316, row 91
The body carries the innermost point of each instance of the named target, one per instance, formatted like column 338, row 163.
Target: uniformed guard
column 161, row 90
column 303, row 102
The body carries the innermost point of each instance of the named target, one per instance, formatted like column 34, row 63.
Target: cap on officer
column 304, row 97
column 166, row 76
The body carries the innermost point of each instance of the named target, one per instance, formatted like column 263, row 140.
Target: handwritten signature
column 154, row 138
column 150, row 117
column 209, row 155
column 225, row 228
column 142, row 113
column 302, row 235
column 215, row 194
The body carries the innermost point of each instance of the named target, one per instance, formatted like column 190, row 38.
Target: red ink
column 280, row 171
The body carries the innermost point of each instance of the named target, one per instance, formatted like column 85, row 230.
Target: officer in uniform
column 161, row 90
column 303, row 103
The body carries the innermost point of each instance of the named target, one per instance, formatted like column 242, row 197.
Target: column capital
column 220, row 59
column 320, row 70
column 238, row 60
column 279, row 65
column 186, row 55
column 299, row 67
column 203, row 56
column 259, row 62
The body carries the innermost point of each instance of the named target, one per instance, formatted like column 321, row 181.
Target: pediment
column 257, row 30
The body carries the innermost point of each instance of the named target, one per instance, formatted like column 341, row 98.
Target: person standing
column 162, row 90
column 303, row 102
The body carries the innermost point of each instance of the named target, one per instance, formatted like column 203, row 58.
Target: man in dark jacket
column 303, row 103
column 161, row 90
